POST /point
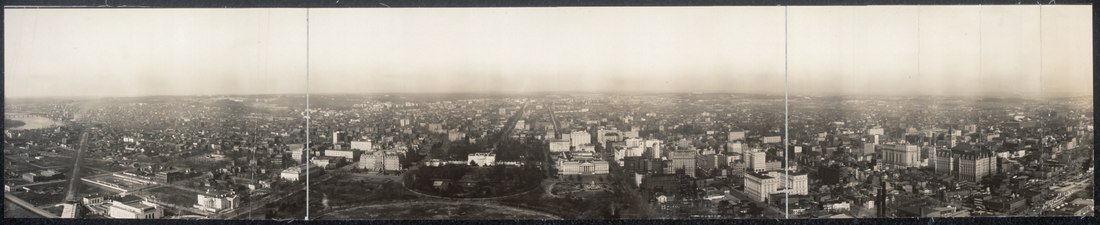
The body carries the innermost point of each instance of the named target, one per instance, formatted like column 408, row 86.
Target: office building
column 771, row 139
column 386, row 160
column 712, row 161
column 756, row 160
column 876, row 131
column 683, row 160
column 653, row 148
column 171, row 176
column 901, row 155
column 736, row 136
column 559, row 146
column 578, row 138
column 348, row 155
column 966, row 162
column 339, row 138
column 759, row 186
column 362, row 145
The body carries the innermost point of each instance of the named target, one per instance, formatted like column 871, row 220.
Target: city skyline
column 832, row 51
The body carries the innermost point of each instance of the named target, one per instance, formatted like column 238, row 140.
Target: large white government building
column 759, row 186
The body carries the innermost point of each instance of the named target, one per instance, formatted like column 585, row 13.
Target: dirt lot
column 175, row 196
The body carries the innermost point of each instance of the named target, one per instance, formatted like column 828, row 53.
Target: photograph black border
column 10, row 4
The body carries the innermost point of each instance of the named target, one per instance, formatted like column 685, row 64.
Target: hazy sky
column 949, row 50
column 132, row 52
column 548, row 49
column 942, row 50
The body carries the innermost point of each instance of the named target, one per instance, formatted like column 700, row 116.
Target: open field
column 18, row 166
column 353, row 189
column 102, row 165
column 174, row 196
column 434, row 210
column 11, row 210
column 42, row 195
column 50, row 162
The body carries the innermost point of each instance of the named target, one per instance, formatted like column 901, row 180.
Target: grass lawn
column 175, row 196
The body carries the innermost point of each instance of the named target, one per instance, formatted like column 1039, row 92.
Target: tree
column 472, row 163
column 724, row 204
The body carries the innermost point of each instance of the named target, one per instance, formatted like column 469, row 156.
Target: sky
column 830, row 50
column 139, row 52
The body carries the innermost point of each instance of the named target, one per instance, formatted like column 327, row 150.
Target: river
column 31, row 122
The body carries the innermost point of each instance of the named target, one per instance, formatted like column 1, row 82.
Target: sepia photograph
column 549, row 113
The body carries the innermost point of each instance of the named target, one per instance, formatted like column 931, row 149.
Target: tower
column 880, row 200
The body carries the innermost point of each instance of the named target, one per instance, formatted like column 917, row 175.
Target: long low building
column 582, row 167
column 297, row 173
column 134, row 207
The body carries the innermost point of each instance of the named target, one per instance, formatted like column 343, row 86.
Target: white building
column 93, row 200
column 482, row 159
column 771, row 139
column 296, row 151
column 903, row 155
column 339, row 137
column 602, row 135
column 756, row 160
column 793, row 184
column 297, row 173
column 386, row 160
column 133, row 207
column 875, row 131
column 362, row 145
column 346, row 154
column 634, row 142
column 521, row 125
column 582, row 167
column 838, row 206
column 736, row 147
column 328, row 162
column 630, row 134
column 213, row 202
column 559, row 146
column 736, row 136
column 622, row 153
column 759, row 186
column 653, row 147
column 578, row 138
